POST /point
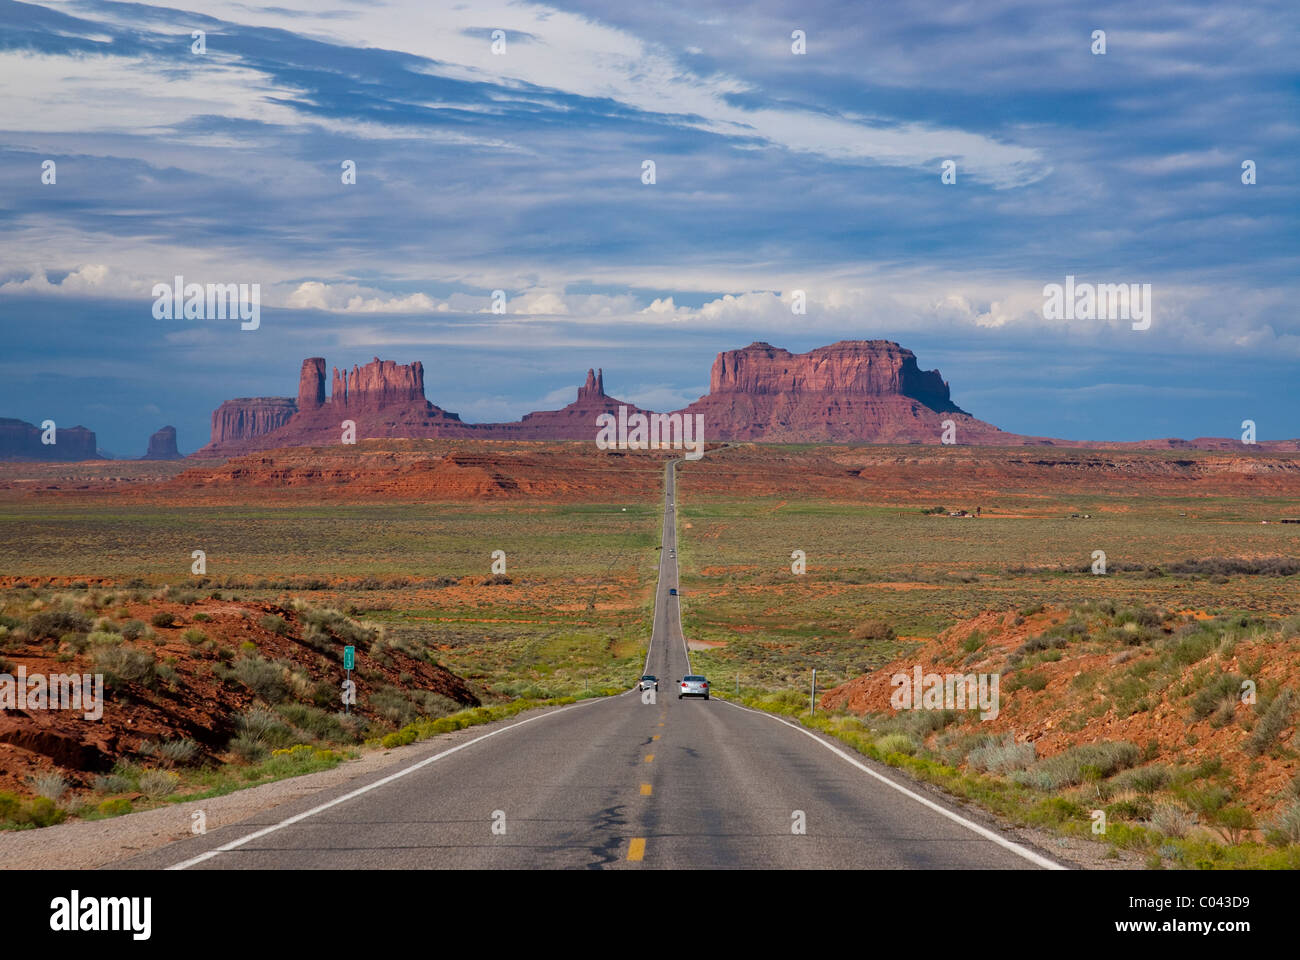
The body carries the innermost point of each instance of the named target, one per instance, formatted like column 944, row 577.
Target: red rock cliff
column 311, row 384
column 249, row 417
column 380, row 383
column 872, row 368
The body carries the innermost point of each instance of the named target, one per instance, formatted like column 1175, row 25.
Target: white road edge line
column 1011, row 845
column 227, row 847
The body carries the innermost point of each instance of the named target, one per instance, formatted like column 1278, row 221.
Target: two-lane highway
column 618, row 783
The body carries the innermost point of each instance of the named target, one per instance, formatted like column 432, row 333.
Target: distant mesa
column 162, row 445
column 20, row 440
column 853, row 391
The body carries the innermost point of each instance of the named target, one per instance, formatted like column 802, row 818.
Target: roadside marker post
column 349, row 691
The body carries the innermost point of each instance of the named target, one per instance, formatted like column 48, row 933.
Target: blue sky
column 775, row 172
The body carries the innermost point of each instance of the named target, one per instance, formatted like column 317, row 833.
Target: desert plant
column 50, row 785
column 170, row 753
column 133, row 629
column 276, row 624
column 1285, row 828
column 1000, row 755
column 896, row 743
column 52, row 624
column 1171, row 820
column 124, row 664
column 264, row 678
column 162, row 619
column 158, row 783
column 1274, row 719
column 1233, row 822
column 248, row 749
column 112, row 783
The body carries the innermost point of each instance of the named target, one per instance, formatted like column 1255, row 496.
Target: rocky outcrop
column 594, row 388
column 20, row 440
column 311, row 384
column 383, row 398
column 380, row 383
column 870, row 390
column 863, row 368
column 249, row 418
column 162, row 445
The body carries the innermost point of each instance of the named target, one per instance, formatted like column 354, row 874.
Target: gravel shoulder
column 88, row 844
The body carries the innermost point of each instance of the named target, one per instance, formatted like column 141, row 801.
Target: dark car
column 672, row 591
column 648, row 681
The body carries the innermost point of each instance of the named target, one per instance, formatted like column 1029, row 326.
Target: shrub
column 248, row 749
column 52, row 624
column 133, row 629
column 1233, row 822
column 314, row 721
column 122, row 665
column 1030, row 680
column 264, row 726
column 193, row 636
column 276, row 625
column 896, row 743
column 264, row 678
column 873, row 630
column 1144, row 779
column 158, row 783
column 115, row 808
column 41, row 812
column 1209, row 698
column 999, row 756
column 392, row 706
column 171, row 752
column 1271, row 723
column 1285, row 828
column 112, row 783
column 50, row 785
column 162, row 619
column 201, row 618
column 99, row 638
column 1171, row 820
column 1086, row 761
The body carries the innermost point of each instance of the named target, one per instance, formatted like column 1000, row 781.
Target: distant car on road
column 694, row 686
column 672, row 591
column 647, row 682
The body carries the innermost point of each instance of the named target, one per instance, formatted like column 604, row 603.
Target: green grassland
column 922, row 573
column 571, row 613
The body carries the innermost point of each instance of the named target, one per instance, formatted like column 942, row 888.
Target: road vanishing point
column 618, row 783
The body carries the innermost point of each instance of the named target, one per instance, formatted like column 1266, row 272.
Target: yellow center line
column 655, row 737
column 646, row 789
column 636, row 849
column 649, row 757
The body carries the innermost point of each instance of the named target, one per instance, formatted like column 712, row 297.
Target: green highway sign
column 349, row 656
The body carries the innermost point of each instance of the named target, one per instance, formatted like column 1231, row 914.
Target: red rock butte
column 870, row 391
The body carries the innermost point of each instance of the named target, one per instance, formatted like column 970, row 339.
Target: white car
column 693, row 686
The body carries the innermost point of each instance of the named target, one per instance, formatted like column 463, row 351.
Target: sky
column 516, row 161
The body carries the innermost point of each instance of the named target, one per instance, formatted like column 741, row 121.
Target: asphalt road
column 622, row 784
